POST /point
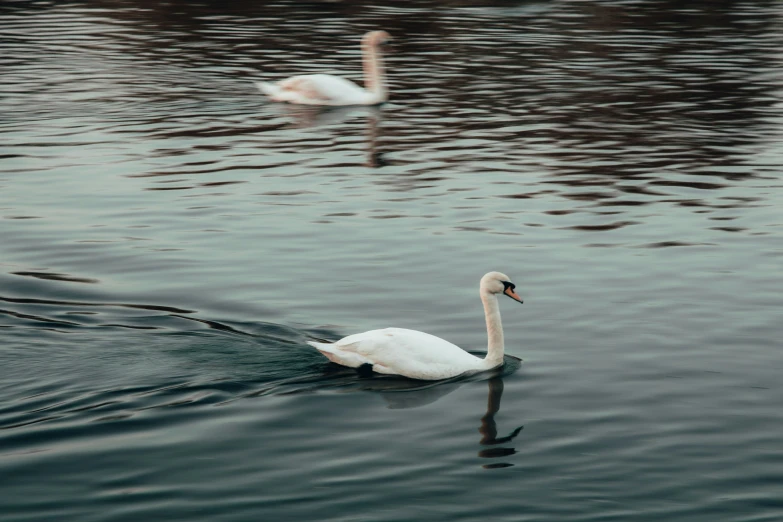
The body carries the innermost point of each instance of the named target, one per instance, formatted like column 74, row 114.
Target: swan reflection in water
column 427, row 394
column 406, row 393
column 311, row 116
column 402, row 393
column 489, row 430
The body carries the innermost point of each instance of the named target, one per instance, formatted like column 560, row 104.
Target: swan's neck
column 494, row 330
column 374, row 76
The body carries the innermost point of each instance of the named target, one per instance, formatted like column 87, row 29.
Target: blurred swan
column 326, row 89
column 419, row 355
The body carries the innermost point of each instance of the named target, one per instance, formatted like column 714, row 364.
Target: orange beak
column 512, row 294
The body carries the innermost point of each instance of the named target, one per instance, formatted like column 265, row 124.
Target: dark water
column 169, row 241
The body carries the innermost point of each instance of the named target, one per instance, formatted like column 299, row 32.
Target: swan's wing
column 316, row 89
column 408, row 352
column 396, row 342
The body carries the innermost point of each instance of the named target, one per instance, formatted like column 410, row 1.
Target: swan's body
column 325, row 89
column 319, row 89
column 419, row 355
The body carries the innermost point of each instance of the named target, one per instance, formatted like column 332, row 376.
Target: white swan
column 325, row 89
column 419, row 355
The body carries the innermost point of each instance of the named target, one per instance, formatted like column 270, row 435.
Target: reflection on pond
column 489, row 430
column 310, row 116
column 306, row 116
column 400, row 393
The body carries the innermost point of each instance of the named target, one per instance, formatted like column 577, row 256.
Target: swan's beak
column 386, row 44
column 512, row 294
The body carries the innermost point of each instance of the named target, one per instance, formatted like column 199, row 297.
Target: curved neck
column 494, row 330
column 374, row 77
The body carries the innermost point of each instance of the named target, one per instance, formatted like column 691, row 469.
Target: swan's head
column 497, row 283
column 376, row 38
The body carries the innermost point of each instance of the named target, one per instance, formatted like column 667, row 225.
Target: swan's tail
column 327, row 349
column 334, row 354
column 321, row 346
column 270, row 89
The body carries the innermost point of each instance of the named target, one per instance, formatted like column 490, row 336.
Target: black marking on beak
column 508, row 289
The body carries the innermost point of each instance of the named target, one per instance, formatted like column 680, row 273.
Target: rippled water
column 169, row 240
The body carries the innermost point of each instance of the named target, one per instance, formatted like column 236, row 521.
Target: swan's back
column 316, row 89
column 402, row 352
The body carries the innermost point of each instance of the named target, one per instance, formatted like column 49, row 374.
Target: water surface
column 169, row 240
